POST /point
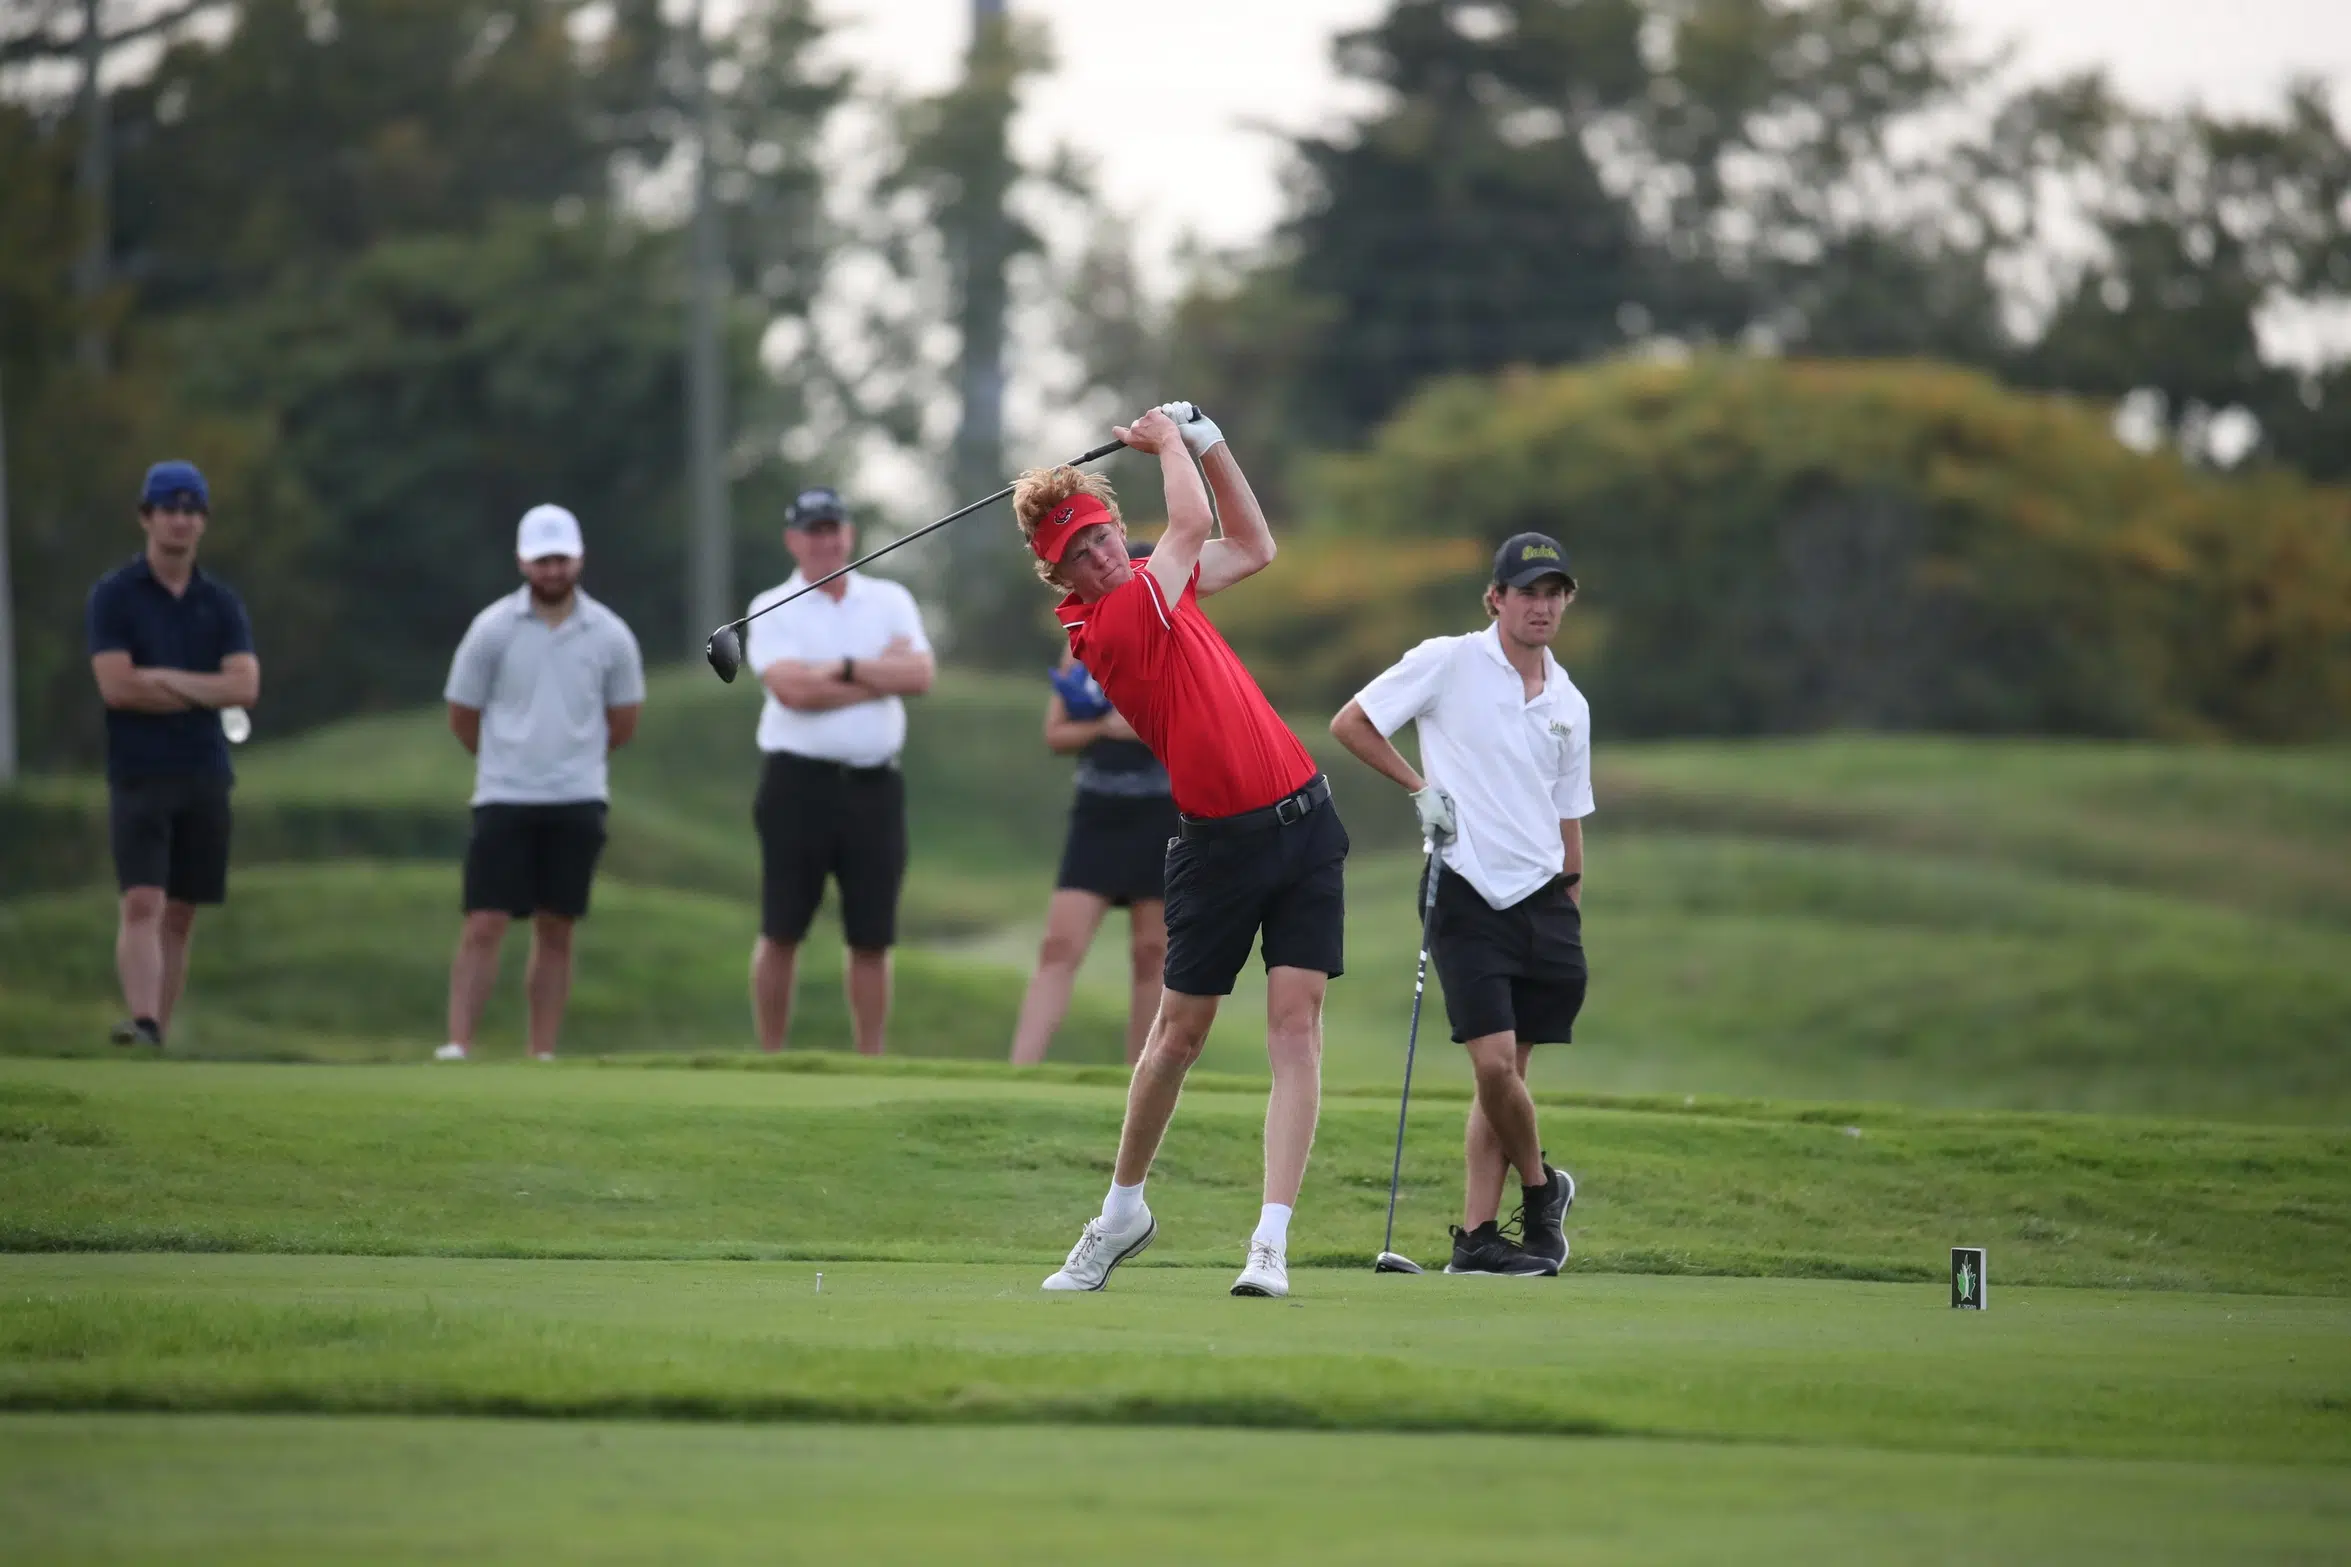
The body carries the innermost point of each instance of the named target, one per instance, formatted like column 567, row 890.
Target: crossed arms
column 151, row 688
column 809, row 686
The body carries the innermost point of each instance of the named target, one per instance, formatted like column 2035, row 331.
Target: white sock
column 1123, row 1203
column 1273, row 1226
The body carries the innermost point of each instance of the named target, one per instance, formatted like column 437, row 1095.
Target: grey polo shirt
column 542, row 691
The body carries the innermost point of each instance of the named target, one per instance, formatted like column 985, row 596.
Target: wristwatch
column 848, row 669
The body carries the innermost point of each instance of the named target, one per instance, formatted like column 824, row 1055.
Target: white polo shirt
column 1515, row 769
column 542, row 691
column 818, row 630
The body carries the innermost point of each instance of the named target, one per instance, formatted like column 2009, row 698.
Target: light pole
column 710, row 540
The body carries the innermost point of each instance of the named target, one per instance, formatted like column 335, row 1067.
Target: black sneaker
column 137, row 1031
column 1485, row 1250
column 1543, row 1214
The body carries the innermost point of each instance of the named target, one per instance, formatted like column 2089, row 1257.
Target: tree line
column 392, row 270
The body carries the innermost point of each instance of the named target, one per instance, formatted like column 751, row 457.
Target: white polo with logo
column 817, row 629
column 542, row 691
column 1515, row 768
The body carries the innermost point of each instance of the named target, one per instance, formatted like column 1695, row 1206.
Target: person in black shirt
column 172, row 650
column 1114, row 857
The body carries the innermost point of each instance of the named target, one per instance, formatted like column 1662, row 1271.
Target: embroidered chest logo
column 1560, row 731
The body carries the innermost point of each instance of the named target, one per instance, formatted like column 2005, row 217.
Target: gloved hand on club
column 1434, row 807
column 1199, row 431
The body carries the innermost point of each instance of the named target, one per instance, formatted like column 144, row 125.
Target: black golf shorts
column 1290, row 882
column 1517, row 971
column 823, row 819
column 1117, row 847
column 533, row 859
column 171, row 832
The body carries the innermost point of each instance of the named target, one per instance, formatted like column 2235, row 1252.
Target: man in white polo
column 1507, row 742
column 546, row 684
column 831, row 801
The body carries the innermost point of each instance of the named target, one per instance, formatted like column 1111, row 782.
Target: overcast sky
column 1171, row 102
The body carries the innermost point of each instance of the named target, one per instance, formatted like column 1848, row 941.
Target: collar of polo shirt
column 1491, row 640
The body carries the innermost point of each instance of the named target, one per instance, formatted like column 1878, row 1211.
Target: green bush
column 1772, row 546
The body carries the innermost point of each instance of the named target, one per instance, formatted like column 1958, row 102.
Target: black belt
column 1284, row 811
column 839, row 769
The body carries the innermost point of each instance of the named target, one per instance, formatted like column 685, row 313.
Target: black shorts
column 172, row 832
column 533, row 859
column 1117, row 847
column 819, row 819
column 1288, row 881
column 1517, row 971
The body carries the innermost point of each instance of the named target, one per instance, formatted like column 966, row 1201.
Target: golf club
column 725, row 647
column 1389, row 1260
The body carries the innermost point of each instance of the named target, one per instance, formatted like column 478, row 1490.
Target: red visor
column 1064, row 522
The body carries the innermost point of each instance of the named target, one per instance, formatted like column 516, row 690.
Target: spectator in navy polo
column 172, row 650
column 545, row 686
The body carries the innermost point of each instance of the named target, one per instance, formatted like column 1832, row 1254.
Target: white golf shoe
column 1268, row 1272
column 452, row 1051
column 1100, row 1249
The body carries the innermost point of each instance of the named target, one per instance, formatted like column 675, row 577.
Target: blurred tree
column 1770, row 546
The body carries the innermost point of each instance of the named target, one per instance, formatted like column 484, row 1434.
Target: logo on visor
column 1068, row 511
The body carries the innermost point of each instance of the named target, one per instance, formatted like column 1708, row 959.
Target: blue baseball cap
column 168, row 481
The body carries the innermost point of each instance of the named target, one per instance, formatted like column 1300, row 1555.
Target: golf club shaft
column 1420, row 981
column 1101, row 451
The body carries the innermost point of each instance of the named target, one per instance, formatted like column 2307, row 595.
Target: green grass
column 2019, row 924
column 2070, row 1373
column 581, row 1161
column 81, row 1488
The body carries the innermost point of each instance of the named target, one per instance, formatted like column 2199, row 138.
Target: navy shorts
column 1286, row 883
column 1517, row 971
column 171, row 832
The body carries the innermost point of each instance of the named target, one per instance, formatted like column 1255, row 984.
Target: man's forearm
column 143, row 693
column 903, row 673
column 1237, row 510
column 1354, row 729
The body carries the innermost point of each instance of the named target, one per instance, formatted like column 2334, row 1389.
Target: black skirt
column 1117, row 846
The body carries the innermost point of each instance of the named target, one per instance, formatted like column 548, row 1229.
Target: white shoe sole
column 1273, row 1291
column 1135, row 1250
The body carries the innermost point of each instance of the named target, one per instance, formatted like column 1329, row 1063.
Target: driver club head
column 1391, row 1262
column 725, row 652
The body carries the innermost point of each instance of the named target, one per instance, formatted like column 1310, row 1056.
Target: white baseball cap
column 545, row 531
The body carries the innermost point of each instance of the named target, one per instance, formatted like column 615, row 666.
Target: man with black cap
column 831, row 802
column 172, row 650
column 1507, row 742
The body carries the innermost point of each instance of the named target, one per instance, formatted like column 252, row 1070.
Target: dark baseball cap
column 1527, row 558
column 811, row 507
column 175, row 481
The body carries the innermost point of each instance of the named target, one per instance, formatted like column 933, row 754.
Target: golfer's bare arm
column 1247, row 547
column 1354, row 729
column 1189, row 519
column 1571, row 839
column 620, row 725
column 466, row 724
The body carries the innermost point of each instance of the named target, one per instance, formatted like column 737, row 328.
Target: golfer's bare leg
column 473, row 973
column 1502, row 1129
column 1147, row 968
column 179, row 925
column 775, row 965
column 138, row 951
column 868, row 982
column 1293, row 1046
column 547, row 981
column 1177, row 1034
column 1071, row 918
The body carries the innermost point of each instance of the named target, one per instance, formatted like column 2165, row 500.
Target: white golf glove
column 1434, row 807
column 1200, row 431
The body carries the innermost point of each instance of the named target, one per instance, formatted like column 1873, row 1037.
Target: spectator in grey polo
column 545, row 686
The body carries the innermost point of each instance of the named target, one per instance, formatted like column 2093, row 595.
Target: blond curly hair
column 1036, row 494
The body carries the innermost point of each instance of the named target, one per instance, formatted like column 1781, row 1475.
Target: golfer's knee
column 142, row 905
column 1493, row 1059
column 178, row 918
column 553, row 934
column 483, row 930
column 1147, row 957
column 1297, row 1048
column 1060, row 949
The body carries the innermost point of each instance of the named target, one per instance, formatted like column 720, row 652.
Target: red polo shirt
column 1170, row 674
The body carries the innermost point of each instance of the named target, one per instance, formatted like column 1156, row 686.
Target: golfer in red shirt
column 1259, row 848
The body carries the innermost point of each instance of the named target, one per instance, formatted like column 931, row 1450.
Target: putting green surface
column 115, row 1488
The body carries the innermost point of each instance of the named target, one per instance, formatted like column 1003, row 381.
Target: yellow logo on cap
column 1538, row 552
